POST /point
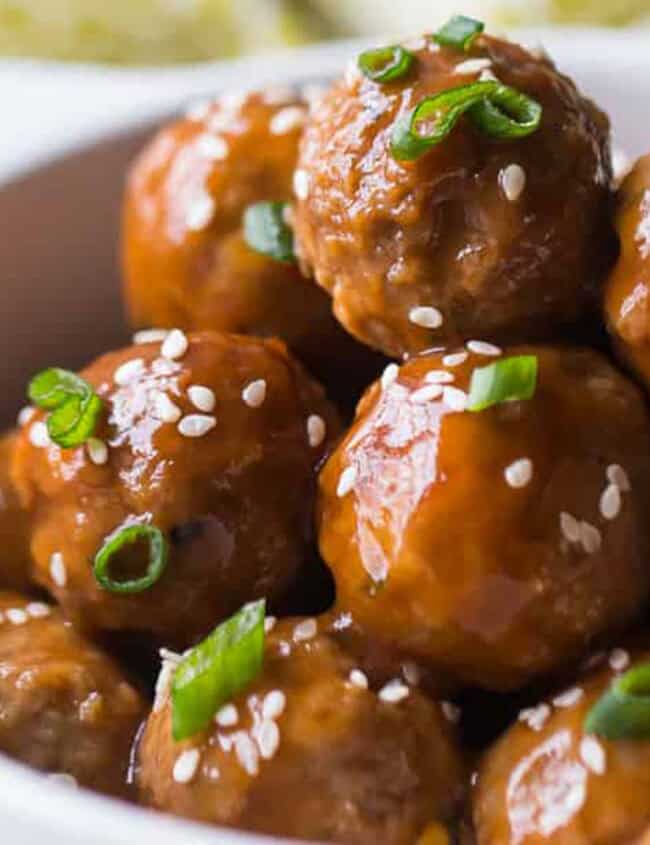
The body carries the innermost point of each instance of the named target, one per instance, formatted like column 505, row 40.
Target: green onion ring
column 158, row 555
column 459, row 32
column 386, row 64
column 266, row 231
column 507, row 380
column 623, row 712
column 74, row 405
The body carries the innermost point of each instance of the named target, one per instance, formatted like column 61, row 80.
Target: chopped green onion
column 126, row 536
column 508, row 380
column 386, row 64
column 217, row 669
column 623, row 712
column 497, row 110
column 73, row 403
column 266, row 231
column 459, row 32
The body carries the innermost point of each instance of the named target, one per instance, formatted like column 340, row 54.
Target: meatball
column 495, row 544
column 66, row 707
column 213, row 440
column 546, row 780
column 628, row 286
column 505, row 239
column 186, row 262
column 357, row 765
column 15, row 560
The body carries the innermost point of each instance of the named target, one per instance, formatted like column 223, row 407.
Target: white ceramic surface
column 67, row 136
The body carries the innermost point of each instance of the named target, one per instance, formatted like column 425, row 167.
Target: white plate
column 59, row 291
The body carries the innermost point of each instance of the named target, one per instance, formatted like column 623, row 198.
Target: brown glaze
column 235, row 503
column 65, row 707
column 384, row 236
column 15, row 559
column 349, row 767
column 547, row 781
column 435, row 552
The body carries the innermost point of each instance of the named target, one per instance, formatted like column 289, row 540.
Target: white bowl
column 59, row 295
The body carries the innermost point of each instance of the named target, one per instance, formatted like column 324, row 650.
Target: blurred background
column 145, row 32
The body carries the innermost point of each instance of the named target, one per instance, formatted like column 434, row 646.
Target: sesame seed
column 450, row 711
column 200, row 212
column 316, row 430
column 590, row 537
column 202, row 397
column 16, row 616
column 269, row 624
column 268, row 739
column 287, row 120
column 227, row 716
column 305, row 630
column 488, row 75
column 610, row 502
column 427, row 393
column 347, row 481
column 196, row 425
column 39, row 435
column 186, row 765
column 38, row 610
column 164, row 408
column 212, row 147
column 617, row 475
column 439, row 377
column 454, row 398
column 274, row 704
column 25, row 415
column 63, row 779
column 150, row 336
column 301, row 184
column 426, row 316
column 481, row 347
column 358, row 679
column 535, row 717
column 592, row 754
column 254, row 393
column 175, row 345
column 570, row 527
column 163, row 683
column 57, row 569
column 519, row 473
column 246, row 752
column 393, row 692
column 513, row 181
column 473, row 66
column 455, row 359
column 97, row 450
column 619, row 660
column 569, row 698
column 411, row 672
column 128, row 371
column 199, row 110
column 389, row 376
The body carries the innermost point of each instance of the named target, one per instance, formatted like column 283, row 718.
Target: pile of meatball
column 449, row 591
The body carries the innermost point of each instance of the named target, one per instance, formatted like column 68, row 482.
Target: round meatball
column 477, row 236
column 65, row 707
column 358, row 765
column 15, row 560
column 491, row 544
column 627, row 307
column 213, row 439
column 186, row 262
column 546, row 780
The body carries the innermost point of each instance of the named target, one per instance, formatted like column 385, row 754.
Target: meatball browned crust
column 494, row 544
column 310, row 750
column 65, row 707
column 456, row 230
column 15, row 559
column 214, row 440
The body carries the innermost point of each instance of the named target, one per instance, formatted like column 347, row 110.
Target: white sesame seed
column 488, row 75
column 426, row 316
column 25, row 415
column 316, row 430
column 196, row 425
column 254, row 393
column 513, row 181
column 610, row 502
column 268, row 739
column 535, row 717
column 473, row 66
column 16, row 616
column 39, row 436
column 411, row 672
column 199, row 110
column 246, row 752
column 212, row 147
column 227, row 716
column 619, row 660
column 186, row 765
column 450, row 711
column 269, row 624
column 175, row 345
column 164, row 408
column 454, row 398
column 481, row 347
column 590, row 538
column 287, row 120
column 568, row 698
column 38, row 610
column 347, row 481
column 301, row 184
column 63, row 779
column 202, row 397
column 305, row 630
column 150, row 336
column 427, row 393
column 455, row 359
column 617, row 475
column 519, row 473
column 97, row 450
column 57, row 569
column 393, row 692
column 570, row 527
column 163, row 683
column 439, row 377
column 592, row 754
column 128, row 371
column 389, row 376
column 358, row 679
column 200, row 213
column 274, row 704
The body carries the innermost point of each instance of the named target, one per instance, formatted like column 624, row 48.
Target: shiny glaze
column 64, row 706
column 555, row 785
column 384, row 236
column 349, row 767
column 434, row 552
column 236, row 503
column 15, row 559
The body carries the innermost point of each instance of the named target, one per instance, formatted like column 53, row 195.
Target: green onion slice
column 386, row 64
column 508, row 380
column 73, row 404
column 623, row 712
column 266, row 230
column 459, row 32
column 125, row 536
column 217, row 669
column 497, row 110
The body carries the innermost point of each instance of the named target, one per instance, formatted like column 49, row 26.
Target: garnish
column 459, row 32
column 385, row 64
column 126, row 536
column 73, row 403
column 217, row 669
column 507, row 380
column 623, row 712
column 267, row 232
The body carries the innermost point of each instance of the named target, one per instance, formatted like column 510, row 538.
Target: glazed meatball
column 213, row 440
column 186, row 261
column 626, row 304
column 356, row 764
column 504, row 239
column 546, row 780
column 65, row 707
column 15, row 560
column 492, row 544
